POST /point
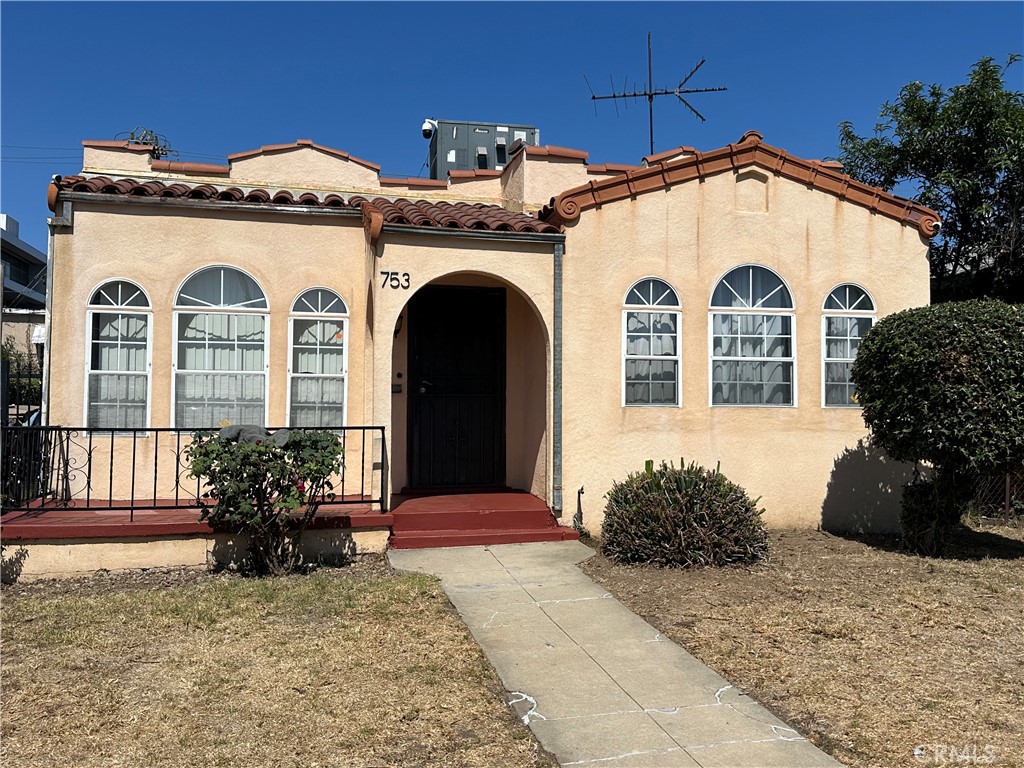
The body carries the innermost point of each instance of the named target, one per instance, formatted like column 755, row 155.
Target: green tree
column 944, row 385
column 961, row 151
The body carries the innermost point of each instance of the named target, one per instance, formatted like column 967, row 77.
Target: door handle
column 423, row 386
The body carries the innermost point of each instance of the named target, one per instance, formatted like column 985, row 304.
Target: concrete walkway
column 597, row 685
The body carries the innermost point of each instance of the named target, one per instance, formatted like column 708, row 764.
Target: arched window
column 220, row 356
column 650, row 344
column 317, row 363
column 119, row 357
column 752, row 339
column 848, row 315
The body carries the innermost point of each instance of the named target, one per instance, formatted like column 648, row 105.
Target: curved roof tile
column 399, row 211
column 750, row 150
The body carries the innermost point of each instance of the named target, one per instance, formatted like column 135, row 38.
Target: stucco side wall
column 545, row 177
column 159, row 248
column 691, row 236
column 303, row 167
column 526, row 270
column 115, row 161
column 484, row 188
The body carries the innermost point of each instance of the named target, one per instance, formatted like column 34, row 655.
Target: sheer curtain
column 318, row 372
column 118, row 370
column 220, row 369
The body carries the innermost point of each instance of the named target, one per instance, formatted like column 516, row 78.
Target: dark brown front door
column 457, row 387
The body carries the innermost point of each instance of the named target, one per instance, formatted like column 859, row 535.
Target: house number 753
column 395, row 279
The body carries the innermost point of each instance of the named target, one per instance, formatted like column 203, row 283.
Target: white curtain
column 318, row 372
column 220, row 366
column 118, row 371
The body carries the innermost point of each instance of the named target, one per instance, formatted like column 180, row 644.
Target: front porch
column 79, row 500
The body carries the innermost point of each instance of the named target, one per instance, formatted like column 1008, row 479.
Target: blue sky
column 217, row 78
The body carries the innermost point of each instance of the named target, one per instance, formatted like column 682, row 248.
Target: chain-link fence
column 999, row 496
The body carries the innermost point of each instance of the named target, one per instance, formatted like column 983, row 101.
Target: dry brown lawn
column 869, row 651
column 348, row 667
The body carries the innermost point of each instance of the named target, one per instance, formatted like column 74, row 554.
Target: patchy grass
column 868, row 651
column 347, row 667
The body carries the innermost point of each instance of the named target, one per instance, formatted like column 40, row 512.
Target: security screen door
column 457, row 387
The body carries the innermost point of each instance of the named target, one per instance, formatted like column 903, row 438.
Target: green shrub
column 682, row 517
column 944, row 385
column 259, row 483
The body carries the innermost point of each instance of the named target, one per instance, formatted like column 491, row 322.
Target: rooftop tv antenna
column 139, row 135
column 650, row 92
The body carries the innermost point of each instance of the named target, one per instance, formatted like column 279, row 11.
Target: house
column 545, row 328
column 24, row 300
column 22, row 321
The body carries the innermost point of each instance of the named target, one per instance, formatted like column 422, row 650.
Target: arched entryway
column 470, row 389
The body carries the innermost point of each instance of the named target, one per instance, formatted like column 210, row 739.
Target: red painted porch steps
column 473, row 519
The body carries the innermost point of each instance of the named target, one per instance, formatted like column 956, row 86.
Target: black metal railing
column 129, row 469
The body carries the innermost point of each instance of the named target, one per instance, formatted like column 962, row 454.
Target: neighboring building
column 459, row 145
column 24, row 301
column 546, row 328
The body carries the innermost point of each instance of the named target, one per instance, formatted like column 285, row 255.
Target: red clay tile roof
column 203, row 169
column 549, row 151
column 412, row 181
column 118, row 144
column 272, row 148
column 431, row 213
column 611, row 168
column 475, row 173
column 667, row 154
column 402, row 212
column 566, row 207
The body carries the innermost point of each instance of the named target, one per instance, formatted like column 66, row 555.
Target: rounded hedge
column 682, row 517
column 944, row 384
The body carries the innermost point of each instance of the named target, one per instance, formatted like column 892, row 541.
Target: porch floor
column 157, row 519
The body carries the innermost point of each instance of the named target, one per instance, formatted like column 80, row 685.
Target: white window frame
column 872, row 314
column 674, row 309
column 763, row 311
column 179, row 310
column 120, row 309
column 294, row 315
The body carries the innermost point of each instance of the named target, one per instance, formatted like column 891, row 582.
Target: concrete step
column 470, row 538
column 479, row 519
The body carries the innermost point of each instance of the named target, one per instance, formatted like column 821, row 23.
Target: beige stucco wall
column 304, row 167
column 158, row 248
column 32, row 560
column 483, row 188
column 115, row 161
column 691, row 236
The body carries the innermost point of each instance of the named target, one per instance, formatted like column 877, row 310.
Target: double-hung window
column 119, row 357
column 650, row 336
column 848, row 315
column 752, row 339
column 317, row 369
column 220, row 361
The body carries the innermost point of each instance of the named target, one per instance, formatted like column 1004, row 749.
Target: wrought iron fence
column 131, row 469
